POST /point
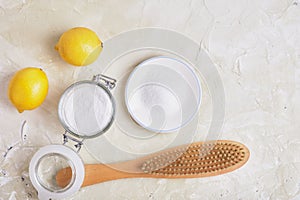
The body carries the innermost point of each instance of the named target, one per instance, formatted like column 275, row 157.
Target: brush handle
column 96, row 173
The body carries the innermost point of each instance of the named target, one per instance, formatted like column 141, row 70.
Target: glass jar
column 86, row 110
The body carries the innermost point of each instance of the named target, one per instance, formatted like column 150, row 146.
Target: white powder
column 156, row 107
column 160, row 98
column 86, row 109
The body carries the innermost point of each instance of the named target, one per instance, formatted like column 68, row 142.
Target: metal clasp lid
column 109, row 82
column 78, row 143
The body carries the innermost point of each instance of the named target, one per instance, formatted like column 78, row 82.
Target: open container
column 163, row 94
column 86, row 110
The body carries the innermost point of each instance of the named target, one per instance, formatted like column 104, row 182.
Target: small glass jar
column 86, row 110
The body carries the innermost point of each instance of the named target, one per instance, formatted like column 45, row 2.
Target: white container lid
column 47, row 191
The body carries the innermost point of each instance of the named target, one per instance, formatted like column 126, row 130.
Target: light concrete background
column 254, row 44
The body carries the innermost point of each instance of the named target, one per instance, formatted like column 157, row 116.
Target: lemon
column 28, row 88
column 79, row 46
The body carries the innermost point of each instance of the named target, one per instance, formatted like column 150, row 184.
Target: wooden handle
column 95, row 173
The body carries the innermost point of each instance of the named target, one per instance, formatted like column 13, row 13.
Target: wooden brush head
column 198, row 159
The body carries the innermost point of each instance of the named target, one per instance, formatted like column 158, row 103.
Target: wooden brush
column 199, row 159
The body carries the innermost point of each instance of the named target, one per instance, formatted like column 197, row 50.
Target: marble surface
column 254, row 44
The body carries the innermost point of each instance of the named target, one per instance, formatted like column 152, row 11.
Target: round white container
column 163, row 94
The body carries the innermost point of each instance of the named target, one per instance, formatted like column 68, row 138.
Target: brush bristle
column 196, row 159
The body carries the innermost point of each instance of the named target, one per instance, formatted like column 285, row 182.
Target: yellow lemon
column 28, row 88
column 79, row 46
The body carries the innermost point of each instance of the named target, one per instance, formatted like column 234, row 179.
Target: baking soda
column 156, row 107
column 87, row 109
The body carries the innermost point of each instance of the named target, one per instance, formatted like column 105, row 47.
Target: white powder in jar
column 86, row 109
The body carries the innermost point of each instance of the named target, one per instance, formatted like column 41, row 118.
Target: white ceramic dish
column 163, row 94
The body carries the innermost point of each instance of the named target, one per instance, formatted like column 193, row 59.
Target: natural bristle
column 197, row 159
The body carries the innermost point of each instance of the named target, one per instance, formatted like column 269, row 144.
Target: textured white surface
column 255, row 44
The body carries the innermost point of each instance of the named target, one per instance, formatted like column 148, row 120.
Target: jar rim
column 60, row 109
column 72, row 157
